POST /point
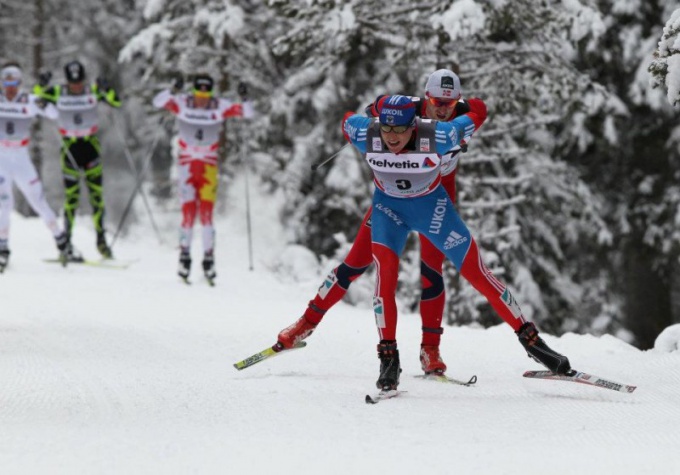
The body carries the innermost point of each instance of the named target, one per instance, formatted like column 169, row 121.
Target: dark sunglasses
column 442, row 102
column 397, row 129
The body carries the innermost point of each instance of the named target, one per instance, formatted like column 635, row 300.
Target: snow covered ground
column 109, row 371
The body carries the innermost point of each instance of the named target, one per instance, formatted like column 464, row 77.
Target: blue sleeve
column 356, row 127
column 448, row 134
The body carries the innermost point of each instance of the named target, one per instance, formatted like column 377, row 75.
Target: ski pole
column 316, row 166
column 244, row 148
column 131, row 163
column 138, row 184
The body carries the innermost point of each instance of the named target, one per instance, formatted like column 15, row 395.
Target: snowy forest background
column 572, row 186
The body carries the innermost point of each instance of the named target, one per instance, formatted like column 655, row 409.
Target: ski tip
column 370, row 400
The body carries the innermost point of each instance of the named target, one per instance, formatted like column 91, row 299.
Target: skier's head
column 75, row 77
column 442, row 92
column 203, row 85
column 10, row 75
column 397, row 121
column 74, row 72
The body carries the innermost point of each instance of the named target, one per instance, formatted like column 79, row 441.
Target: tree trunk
column 648, row 296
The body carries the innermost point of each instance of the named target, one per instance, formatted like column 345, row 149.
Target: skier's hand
column 177, row 85
column 102, row 84
column 242, row 90
column 373, row 110
column 44, row 78
column 41, row 103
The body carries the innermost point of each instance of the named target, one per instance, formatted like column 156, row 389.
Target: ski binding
column 382, row 395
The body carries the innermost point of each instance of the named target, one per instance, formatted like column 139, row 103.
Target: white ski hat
column 443, row 84
column 10, row 72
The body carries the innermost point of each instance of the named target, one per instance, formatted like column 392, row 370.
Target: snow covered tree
column 665, row 68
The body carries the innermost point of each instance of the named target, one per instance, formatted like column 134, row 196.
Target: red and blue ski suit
column 360, row 256
column 408, row 197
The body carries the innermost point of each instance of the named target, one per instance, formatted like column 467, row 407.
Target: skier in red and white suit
column 443, row 101
column 17, row 112
column 199, row 119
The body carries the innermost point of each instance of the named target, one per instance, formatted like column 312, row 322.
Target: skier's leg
column 6, row 202
column 189, row 206
column 207, row 195
column 27, row 180
column 334, row 288
column 432, row 302
column 455, row 240
column 389, row 232
column 71, row 176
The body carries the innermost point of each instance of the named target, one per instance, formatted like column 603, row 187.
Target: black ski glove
column 242, row 90
column 102, row 84
column 177, row 85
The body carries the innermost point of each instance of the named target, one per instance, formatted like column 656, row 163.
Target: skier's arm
column 105, row 93
column 166, row 100
column 449, row 134
column 47, row 93
column 476, row 111
column 43, row 107
column 354, row 128
column 244, row 109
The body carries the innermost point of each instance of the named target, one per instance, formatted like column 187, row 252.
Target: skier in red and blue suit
column 443, row 101
column 406, row 156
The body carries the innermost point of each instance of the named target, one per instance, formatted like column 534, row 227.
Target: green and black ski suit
column 80, row 151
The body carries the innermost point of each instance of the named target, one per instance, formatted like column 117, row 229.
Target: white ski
column 583, row 378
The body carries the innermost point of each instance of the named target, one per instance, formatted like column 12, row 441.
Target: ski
column 106, row 263
column 442, row 378
column 583, row 378
column 389, row 394
column 277, row 349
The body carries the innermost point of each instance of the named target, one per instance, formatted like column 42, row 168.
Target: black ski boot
column 67, row 253
column 539, row 351
column 102, row 247
column 389, row 365
column 184, row 264
column 4, row 259
column 209, row 266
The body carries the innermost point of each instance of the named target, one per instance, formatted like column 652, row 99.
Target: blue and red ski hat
column 397, row 110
